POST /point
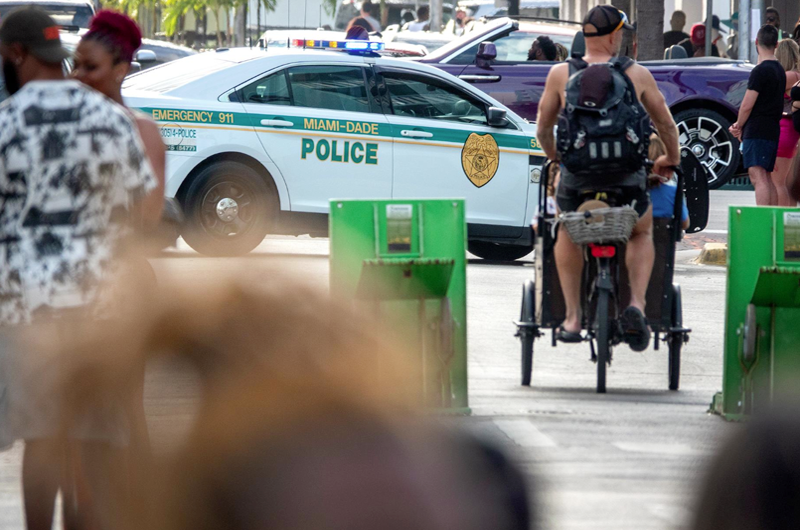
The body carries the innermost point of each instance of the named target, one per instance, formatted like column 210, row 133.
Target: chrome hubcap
column 698, row 150
column 227, row 210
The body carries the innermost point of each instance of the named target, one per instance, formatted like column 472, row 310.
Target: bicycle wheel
column 603, row 339
column 675, row 340
column 527, row 335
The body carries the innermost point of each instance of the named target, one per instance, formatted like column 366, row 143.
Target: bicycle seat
column 610, row 196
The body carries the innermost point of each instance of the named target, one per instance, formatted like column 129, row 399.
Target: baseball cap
column 715, row 24
column 604, row 20
column 33, row 28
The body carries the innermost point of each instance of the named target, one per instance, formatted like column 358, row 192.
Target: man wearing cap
column 602, row 29
column 72, row 174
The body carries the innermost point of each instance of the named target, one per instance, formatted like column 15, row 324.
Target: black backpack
column 603, row 128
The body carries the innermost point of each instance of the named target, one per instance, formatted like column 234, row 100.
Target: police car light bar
column 345, row 45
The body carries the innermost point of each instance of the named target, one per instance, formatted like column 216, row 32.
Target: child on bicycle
column 662, row 192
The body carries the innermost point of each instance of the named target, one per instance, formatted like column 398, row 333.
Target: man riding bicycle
column 564, row 93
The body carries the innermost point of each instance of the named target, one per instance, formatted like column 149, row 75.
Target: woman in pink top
column 788, row 54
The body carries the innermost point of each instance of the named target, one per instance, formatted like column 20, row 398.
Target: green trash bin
column 762, row 337
column 406, row 260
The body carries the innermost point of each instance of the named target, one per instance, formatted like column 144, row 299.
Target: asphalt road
column 630, row 459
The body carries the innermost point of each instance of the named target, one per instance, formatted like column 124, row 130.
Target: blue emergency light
column 354, row 46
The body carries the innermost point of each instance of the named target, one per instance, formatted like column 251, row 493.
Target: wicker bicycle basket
column 601, row 225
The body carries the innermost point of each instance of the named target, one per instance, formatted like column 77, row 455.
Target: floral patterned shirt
column 71, row 163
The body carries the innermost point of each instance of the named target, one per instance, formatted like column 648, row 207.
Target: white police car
column 260, row 141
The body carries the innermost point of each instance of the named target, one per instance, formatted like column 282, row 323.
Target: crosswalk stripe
column 524, row 433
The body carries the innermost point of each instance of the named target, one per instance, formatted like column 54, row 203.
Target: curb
column 713, row 254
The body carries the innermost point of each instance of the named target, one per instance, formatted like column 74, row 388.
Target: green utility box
column 405, row 260
column 762, row 335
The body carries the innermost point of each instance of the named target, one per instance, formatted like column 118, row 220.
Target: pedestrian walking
column 73, row 173
column 788, row 54
column 676, row 34
column 758, row 126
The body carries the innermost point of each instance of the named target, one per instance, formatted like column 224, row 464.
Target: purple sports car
column 703, row 94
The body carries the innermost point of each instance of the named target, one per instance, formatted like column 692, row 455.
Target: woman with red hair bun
column 102, row 60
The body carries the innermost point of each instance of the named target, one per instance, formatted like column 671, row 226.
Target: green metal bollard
column 762, row 338
column 407, row 259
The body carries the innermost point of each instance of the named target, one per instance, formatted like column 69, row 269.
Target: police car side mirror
column 496, row 117
column 145, row 56
column 135, row 67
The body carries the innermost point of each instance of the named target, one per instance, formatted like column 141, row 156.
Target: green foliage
column 173, row 10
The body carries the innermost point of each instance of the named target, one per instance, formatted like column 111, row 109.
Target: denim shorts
column 761, row 153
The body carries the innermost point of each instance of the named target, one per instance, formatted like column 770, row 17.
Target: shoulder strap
column 576, row 65
column 622, row 63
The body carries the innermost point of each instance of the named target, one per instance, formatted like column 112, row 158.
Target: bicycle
column 603, row 229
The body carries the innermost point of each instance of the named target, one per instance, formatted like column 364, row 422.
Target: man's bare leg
column 766, row 194
column 639, row 257
column 569, row 262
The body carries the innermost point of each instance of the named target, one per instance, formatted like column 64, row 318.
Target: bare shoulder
column 641, row 77
column 559, row 71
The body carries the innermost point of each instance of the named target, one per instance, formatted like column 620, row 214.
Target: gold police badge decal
column 480, row 158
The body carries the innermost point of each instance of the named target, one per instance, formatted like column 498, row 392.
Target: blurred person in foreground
column 754, row 481
column 758, row 126
column 73, row 175
column 308, row 418
column 788, row 55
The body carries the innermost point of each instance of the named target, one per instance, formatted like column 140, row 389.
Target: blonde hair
column 657, row 147
column 788, row 54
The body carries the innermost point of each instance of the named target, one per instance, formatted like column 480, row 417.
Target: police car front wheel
column 229, row 209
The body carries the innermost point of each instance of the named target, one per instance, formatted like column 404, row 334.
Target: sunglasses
column 621, row 22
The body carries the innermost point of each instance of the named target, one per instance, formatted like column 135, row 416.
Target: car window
column 511, row 47
column 272, row 89
column 329, row 87
column 421, row 96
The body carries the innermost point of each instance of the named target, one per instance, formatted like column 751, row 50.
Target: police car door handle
column 277, row 123
column 480, row 78
column 416, row 134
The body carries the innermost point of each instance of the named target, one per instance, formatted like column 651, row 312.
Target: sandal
column 568, row 336
column 634, row 328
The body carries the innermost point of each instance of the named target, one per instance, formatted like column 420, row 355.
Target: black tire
column 527, row 335
column 251, row 218
column 498, row 251
column 603, row 339
column 718, row 151
column 675, row 340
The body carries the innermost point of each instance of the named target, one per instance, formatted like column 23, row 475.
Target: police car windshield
column 175, row 74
